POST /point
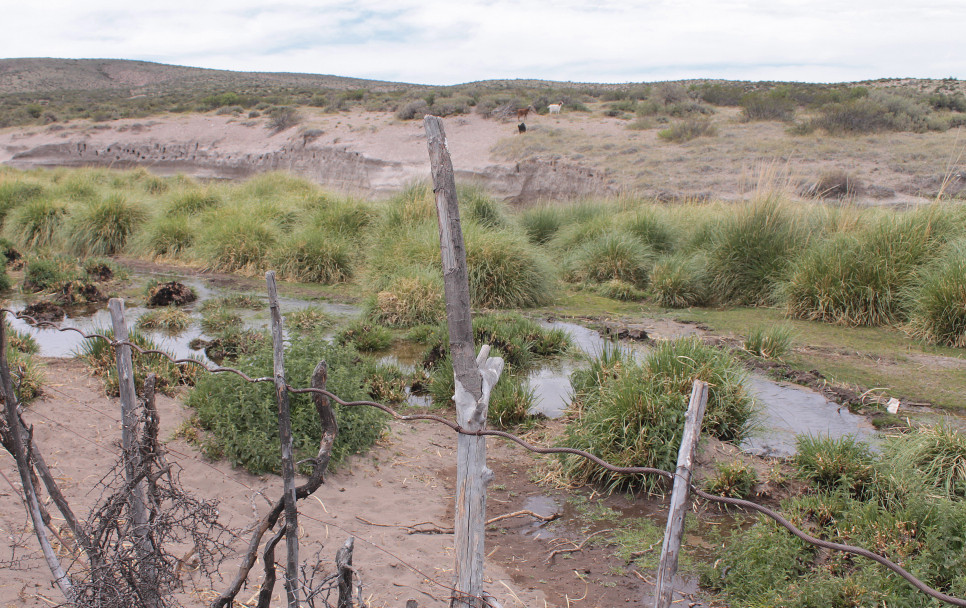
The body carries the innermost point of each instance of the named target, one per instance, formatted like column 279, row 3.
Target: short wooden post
column 285, row 439
column 343, row 562
column 668, row 566
column 475, row 378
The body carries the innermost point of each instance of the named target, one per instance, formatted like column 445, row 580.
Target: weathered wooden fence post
column 343, row 562
column 132, row 458
column 285, row 438
column 475, row 378
column 668, row 566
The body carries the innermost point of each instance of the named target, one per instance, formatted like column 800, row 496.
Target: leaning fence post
column 285, row 439
column 475, row 378
column 668, row 566
column 129, row 428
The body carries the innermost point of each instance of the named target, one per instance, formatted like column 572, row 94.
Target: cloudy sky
column 455, row 41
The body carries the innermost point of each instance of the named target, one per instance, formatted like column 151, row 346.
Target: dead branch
column 433, row 528
column 579, row 547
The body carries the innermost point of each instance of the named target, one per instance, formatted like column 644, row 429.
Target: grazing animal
column 522, row 127
column 523, row 113
column 555, row 107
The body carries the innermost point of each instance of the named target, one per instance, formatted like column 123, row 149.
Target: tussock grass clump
column 612, row 256
column 505, row 270
column 28, row 374
column 100, row 357
column 680, row 280
column 933, row 456
column 511, row 401
column 652, row 229
column 734, row 479
column 50, row 273
column 476, row 206
column 36, row 223
column 344, row 217
column 616, row 289
column 412, row 297
column 167, row 236
column 834, row 464
column 936, row 300
column 541, row 223
column 168, row 319
column 365, row 336
column 311, row 256
column 237, row 300
column 632, row 414
column 191, row 202
column 769, row 342
column 309, row 319
column 102, row 227
column 219, row 320
column 859, row 280
column 242, row 418
column 15, row 192
column 750, row 251
column 236, row 241
column 414, row 205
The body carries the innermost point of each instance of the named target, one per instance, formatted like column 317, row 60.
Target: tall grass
column 311, row 256
column 100, row 357
column 413, row 297
column 936, row 300
column 169, row 235
column 36, row 223
column 236, row 241
column 771, row 342
column 102, row 227
column 680, row 280
column 505, row 270
column 609, row 257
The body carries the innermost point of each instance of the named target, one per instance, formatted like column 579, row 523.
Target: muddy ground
column 405, row 482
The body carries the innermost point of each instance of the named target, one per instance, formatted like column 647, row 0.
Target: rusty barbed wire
column 782, row 521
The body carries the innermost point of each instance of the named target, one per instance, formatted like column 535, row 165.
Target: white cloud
column 443, row 42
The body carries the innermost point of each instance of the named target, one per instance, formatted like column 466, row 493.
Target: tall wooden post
column 132, row 458
column 668, row 566
column 475, row 378
column 285, row 439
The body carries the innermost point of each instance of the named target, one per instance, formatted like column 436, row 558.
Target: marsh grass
column 769, row 342
column 934, row 456
column 631, row 413
column 236, row 241
column 217, row 320
column 680, row 280
column 936, row 300
column 412, row 297
column 36, row 223
column 541, row 223
column 616, row 289
column 100, row 358
column 511, row 401
column 733, row 479
column 365, row 336
column 309, row 319
column 50, row 273
column 167, row 318
column 612, row 256
column 844, row 464
column 103, row 227
column 311, row 256
column 191, row 202
column 505, row 270
column 169, row 236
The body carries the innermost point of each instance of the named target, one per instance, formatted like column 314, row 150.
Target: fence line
column 782, row 521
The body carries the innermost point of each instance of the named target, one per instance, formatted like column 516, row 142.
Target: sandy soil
column 382, row 154
column 406, row 480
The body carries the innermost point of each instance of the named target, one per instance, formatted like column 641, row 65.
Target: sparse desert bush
column 311, row 256
column 775, row 104
column 414, row 296
column 680, row 280
column 242, row 418
column 936, row 300
column 769, row 342
column 102, row 227
column 688, row 129
column 631, row 414
column 35, row 224
column 612, row 256
column 282, row 118
column 834, row 184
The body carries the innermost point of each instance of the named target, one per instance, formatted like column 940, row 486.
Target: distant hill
column 43, row 75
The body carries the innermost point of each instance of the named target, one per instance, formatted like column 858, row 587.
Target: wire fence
column 456, row 428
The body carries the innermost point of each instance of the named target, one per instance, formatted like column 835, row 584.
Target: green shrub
column 688, row 129
column 103, row 227
column 680, row 281
column 936, row 300
column 365, row 336
column 631, row 414
column 612, row 256
column 35, row 224
column 750, row 250
column 311, row 256
column 769, row 342
column 242, row 418
column 775, row 104
column 413, row 297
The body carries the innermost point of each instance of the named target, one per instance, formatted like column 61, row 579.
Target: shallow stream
column 786, row 410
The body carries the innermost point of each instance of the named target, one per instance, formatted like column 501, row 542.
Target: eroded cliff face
column 333, row 167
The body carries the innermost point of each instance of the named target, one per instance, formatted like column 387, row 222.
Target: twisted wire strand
column 782, row 521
